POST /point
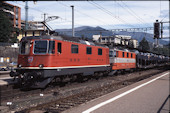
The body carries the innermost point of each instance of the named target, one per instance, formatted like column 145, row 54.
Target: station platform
column 147, row 96
column 4, row 72
column 5, row 79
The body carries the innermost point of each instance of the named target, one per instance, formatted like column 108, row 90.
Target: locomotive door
column 111, row 56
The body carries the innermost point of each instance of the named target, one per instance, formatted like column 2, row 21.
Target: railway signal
column 156, row 29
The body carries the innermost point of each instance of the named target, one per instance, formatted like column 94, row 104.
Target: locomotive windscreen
column 40, row 47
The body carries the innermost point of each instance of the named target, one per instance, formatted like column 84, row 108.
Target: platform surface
column 147, row 96
column 5, row 79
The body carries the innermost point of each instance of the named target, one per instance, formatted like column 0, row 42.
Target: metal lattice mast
column 26, row 15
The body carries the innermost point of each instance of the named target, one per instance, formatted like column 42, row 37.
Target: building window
column 59, row 47
column 25, row 33
column 16, row 16
column 33, row 33
column 16, row 10
column 16, row 22
column 74, row 48
column 99, row 51
column 88, row 50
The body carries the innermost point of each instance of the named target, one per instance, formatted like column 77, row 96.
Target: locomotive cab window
column 99, row 51
column 88, row 50
column 51, row 49
column 25, row 47
column 74, row 48
column 59, row 47
column 40, row 47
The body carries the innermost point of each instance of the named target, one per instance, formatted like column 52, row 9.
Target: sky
column 106, row 14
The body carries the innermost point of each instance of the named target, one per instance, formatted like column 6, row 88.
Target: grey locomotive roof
column 64, row 38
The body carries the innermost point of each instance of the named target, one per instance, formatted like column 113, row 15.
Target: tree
column 144, row 45
column 6, row 29
column 162, row 50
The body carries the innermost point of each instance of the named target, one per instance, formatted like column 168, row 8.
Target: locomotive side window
column 25, row 48
column 40, row 47
column 51, row 49
column 59, row 47
column 123, row 54
column 127, row 55
column 74, row 48
column 131, row 55
column 88, row 50
column 99, row 51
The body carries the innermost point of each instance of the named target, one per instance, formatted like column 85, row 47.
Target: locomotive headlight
column 41, row 66
column 19, row 65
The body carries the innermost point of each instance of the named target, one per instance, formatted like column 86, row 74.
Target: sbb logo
column 30, row 59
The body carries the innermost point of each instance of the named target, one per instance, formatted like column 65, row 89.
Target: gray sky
column 106, row 14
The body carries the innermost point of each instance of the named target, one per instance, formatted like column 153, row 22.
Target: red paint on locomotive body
column 63, row 55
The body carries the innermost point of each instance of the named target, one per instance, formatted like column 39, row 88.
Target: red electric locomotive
column 43, row 58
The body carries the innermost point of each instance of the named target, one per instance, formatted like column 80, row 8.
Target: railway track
column 59, row 100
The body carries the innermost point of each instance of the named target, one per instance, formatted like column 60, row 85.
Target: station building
column 116, row 40
column 13, row 13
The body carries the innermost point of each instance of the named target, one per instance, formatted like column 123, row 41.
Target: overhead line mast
column 26, row 15
column 72, row 20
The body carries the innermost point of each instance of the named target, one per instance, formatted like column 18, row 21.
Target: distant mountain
column 88, row 32
column 82, row 28
column 139, row 36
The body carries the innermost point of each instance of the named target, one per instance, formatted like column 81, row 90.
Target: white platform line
column 121, row 95
column 3, row 78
